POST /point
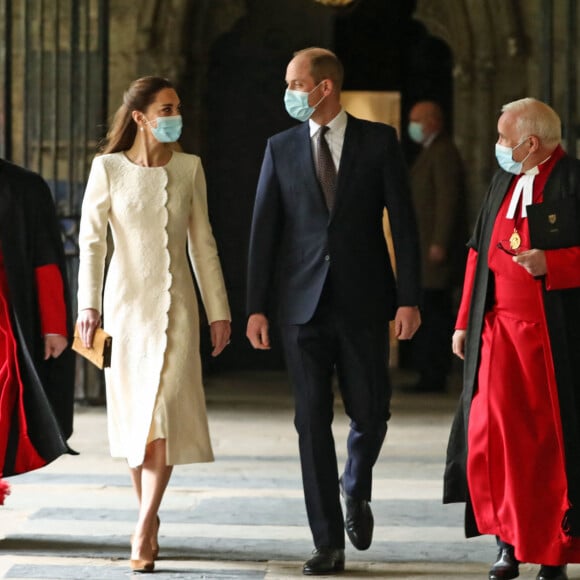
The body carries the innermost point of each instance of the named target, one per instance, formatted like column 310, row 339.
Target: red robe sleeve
column 51, row 302
column 463, row 312
column 563, row 267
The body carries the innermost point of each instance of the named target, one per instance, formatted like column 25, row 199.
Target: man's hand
column 220, row 332
column 257, row 331
column 407, row 321
column 458, row 343
column 88, row 321
column 533, row 261
column 54, row 345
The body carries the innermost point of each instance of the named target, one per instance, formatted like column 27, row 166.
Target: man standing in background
column 437, row 184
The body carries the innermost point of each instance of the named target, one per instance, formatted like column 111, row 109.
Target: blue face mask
column 504, row 156
column 296, row 103
column 168, row 129
column 415, row 131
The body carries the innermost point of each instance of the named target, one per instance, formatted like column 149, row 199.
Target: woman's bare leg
column 136, row 480
column 150, row 487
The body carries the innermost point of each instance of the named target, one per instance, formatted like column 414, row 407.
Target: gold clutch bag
column 100, row 353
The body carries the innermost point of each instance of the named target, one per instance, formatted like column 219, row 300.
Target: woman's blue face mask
column 167, row 129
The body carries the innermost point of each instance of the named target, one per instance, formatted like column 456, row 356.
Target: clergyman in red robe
column 513, row 452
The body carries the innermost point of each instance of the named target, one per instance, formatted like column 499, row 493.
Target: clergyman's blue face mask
column 296, row 103
column 168, row 129
column 504, row 156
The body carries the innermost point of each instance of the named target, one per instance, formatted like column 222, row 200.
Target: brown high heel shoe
column 154, row 541
column 140, row 565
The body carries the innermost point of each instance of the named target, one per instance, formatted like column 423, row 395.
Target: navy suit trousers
column 358, row 353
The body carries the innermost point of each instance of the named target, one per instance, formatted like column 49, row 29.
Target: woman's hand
column 220, row 332
column 88, row 321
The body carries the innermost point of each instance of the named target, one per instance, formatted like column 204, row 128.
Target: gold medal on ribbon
column 515, row 240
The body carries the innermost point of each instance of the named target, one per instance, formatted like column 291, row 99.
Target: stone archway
column 487, row 47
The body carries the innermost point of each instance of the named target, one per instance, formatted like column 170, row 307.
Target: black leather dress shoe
column 506, row 567
column 324, row 561
column 359, row 521
column 552, row 573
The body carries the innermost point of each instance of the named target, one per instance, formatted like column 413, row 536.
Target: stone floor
column 243, row 516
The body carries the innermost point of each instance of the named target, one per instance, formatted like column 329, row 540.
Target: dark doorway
column 427, row 67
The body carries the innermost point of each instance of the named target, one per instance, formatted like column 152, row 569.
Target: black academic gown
column 562, row 309
column 30, row 237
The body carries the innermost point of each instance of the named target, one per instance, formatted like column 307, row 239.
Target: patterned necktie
column 325, row 169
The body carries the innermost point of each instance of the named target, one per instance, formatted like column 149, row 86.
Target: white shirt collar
column 430, row 139
column 337, row 125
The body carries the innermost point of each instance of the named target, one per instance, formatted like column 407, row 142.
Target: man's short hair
column 324, row 64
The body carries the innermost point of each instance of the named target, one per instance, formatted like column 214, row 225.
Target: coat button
column 327, row 258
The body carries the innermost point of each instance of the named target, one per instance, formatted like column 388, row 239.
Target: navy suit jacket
column 294, row 234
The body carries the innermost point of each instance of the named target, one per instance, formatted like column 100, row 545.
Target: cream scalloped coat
column 154, row 385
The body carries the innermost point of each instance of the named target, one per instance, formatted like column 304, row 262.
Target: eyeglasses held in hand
column 509, row 251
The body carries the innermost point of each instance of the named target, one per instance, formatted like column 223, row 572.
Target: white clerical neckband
column 525, row 189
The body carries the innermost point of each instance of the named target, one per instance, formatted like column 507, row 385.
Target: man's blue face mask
column 415, row 131
column 296, row 103
column 504, row 156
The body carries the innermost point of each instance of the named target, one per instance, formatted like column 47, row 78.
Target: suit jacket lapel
column 304, row 145
column 347, row 159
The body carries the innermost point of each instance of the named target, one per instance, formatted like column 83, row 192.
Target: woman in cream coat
column 153, row 198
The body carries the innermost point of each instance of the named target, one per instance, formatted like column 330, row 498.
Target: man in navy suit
column 323, row 237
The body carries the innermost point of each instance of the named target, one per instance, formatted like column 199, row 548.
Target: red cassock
column 515, row 464
column 53, row 320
